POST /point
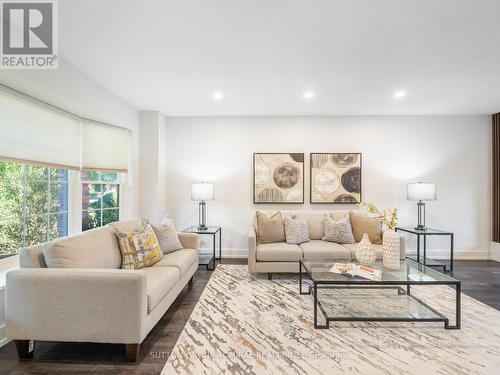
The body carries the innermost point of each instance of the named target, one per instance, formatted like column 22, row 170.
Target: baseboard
column 228, row 253
column 458, row 254
column 495, row 251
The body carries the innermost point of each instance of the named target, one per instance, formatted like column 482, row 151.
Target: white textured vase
column 365, row 253
column 391, row 246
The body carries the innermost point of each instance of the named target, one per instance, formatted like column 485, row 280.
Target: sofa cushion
column 338, row 231
column 167, row 236
column 362, row 224
column 159, row 281
column 139, row 249
column 296, row 230
column 182, row 259
column 318, row 249
column 378, row 249
column 316, row 223
column 95, row 248
column 278, row 252
column 129, row 225
column 270, row 229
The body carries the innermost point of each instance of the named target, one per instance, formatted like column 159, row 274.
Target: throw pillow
column 139, row 249
column 296, row 230
column 167, row 236
column 270, row 229
column 339, row 231
column 362, row 224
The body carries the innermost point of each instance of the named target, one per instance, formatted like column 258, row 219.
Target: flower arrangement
column 389, row 216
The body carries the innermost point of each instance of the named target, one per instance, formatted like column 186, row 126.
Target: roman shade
column 104, row 147
column 36, row 133
column 32, row 131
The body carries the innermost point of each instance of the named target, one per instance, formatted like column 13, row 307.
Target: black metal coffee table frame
column 360, row 283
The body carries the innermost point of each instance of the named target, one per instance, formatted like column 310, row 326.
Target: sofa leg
column 133, row 351
column 190, row 282
column 269, row 276
column 23, row 349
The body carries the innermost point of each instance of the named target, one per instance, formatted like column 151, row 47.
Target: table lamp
column 202, row 191
column 421, row 191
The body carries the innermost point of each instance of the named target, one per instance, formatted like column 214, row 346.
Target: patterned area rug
column 245, row 324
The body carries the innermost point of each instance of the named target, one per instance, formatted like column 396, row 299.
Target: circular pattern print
column 326, row 181
column 261, row 173
column 270, row 195
column 351, row 180
column 345, row 198
column 286, row 175
column 344, row 160
column 294, row 196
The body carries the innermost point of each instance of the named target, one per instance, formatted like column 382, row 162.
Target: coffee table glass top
column 410, row 272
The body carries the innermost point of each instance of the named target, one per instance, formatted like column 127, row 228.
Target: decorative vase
column 391, row 246
column 365, row 253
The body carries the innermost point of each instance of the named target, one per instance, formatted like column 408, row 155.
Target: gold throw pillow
column 270, row 229
column 361, row 224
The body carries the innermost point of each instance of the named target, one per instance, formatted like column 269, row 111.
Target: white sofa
column 91, row 299
column 284, row 257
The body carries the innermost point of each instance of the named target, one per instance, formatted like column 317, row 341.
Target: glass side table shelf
column 209, row 259
column 422, row 258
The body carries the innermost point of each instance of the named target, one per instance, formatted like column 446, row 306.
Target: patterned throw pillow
column 139, row 249
column 167, row 235
column 338, row 231
column 296, row 230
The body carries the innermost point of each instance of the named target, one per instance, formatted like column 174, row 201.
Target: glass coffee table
column 343, row 297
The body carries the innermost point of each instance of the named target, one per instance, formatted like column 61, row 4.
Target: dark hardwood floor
column 480, row 280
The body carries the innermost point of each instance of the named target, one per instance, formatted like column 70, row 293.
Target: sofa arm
column 189, row 240
column 252, row 250
column 76, row 304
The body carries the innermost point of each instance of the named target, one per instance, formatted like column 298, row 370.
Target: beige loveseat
column 284, row 257
column 89, row 298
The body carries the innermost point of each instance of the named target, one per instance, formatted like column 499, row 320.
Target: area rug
column 246, row 324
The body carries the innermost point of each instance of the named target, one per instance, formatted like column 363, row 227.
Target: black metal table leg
column 315, row 305
column 418, row 248
column 220, row 243
column 425, row 250
column 451, row 251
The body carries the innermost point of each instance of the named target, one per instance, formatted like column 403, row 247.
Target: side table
column 424, row 233
column 208, row 259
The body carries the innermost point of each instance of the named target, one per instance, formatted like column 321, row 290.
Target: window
column 100, row 199
column 33, row 205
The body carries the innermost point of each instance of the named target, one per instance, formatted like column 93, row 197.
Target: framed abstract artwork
column 335, row 178
column 278, row 178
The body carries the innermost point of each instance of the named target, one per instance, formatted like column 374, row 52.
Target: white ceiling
column 264, row 54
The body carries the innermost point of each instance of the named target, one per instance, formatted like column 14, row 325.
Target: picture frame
column 278, row 178
column 335, row 178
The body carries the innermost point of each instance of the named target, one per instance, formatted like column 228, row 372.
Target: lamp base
column 202, row 211
column 421, row 227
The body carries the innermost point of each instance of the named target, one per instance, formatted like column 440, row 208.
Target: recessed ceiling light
column 309, row 94
column 400, row 94
column 217, row 95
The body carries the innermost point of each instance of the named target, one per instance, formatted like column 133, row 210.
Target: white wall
column 153, row 139
column 69, row 88
column 452, row 151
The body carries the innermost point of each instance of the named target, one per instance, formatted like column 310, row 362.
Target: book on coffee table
column 357, row 270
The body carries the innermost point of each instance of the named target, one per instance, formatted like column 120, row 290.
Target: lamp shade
column 203, row 191
column 422, row 191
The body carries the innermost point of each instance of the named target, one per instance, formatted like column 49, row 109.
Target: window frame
column 118, row 182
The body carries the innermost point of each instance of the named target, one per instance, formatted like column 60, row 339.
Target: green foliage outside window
column 33, row 205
